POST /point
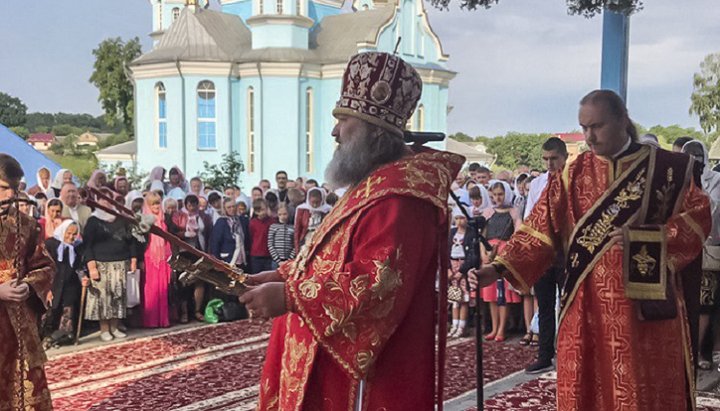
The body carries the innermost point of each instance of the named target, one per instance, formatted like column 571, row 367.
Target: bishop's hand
column 265, row 301
column 486, row 275
column 13, row 292
column 263, row 277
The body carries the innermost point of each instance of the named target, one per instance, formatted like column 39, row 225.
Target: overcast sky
column 521, row 67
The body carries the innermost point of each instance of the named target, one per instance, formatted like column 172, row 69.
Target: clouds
column 523, row 67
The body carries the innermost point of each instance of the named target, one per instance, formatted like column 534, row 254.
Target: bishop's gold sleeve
column 533, row 247
column 687, row 230
column 353, row 300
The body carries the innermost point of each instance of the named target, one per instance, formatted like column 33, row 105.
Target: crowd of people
column 95, row 249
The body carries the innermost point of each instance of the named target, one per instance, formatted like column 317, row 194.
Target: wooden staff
column 83, row 297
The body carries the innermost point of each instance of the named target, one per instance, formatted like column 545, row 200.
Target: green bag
column 212, row 309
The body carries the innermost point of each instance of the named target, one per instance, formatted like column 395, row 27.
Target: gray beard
column 352, row 162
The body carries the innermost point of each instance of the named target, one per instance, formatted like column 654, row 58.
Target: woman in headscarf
column 502, row 221
column 43, row 182
column 710, row 183
column 195, row 228
column 121, row 185
column 110, row 252
column 309, row 215
column 156, row 312
column 66, row 251
column 156, row 174
column 97, row 179
column 197, row 187
column 52, row 217
column 177, row 180
column 134, row 201
column 61, row 177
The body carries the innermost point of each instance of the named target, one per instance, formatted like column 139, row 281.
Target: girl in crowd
column 197, row 187
column 479, row 201
column 134, row 200
column 195, row 230
column 309, row 215
column 52, row 218
column 458, row 282
column 157, row 271
column 43, row 182
column 121, row 185
column 156, row 174
column 272, row 203
column 110, row 251
column 64, row 299
column 281, row 238
column 177, row 180
column 502, row 221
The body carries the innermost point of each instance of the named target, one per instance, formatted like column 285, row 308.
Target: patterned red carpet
column 214, row 368
column 539, row 395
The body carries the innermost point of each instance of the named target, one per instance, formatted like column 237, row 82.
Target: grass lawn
column 82, row 167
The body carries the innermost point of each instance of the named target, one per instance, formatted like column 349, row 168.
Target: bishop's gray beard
column 357, row 158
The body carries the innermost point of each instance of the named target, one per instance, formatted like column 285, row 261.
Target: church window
column 251, row 129
column 279, row 6
column 176, row 13
column 206, row 115
column 309, row 130
column 161, row 115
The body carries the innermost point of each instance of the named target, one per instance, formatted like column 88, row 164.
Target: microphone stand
column 478, row 239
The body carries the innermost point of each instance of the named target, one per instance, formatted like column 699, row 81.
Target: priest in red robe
column 630, row 219
column 26, row 274
column 356, row 310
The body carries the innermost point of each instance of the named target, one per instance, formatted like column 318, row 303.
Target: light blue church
column 261, row 77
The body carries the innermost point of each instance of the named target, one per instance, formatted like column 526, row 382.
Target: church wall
column 272, row 35
column 240, row 123
column 280, row 136
column 149, row 154
column 329, row 95
column 194, row 155
column 318, row 12
column 240, row 8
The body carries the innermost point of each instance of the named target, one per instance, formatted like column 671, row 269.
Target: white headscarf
column 509, row 195
column 323, row 207
column 176, row 193
column 157, row 185
column 59, row 234
column 39, row 180
column 132, row 196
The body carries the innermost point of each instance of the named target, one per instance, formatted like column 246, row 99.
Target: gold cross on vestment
column 369, row 184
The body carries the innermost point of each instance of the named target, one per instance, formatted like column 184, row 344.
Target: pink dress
column 156, row 312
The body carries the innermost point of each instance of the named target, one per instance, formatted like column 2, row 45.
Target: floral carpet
column 539, row 395
column 214, row 368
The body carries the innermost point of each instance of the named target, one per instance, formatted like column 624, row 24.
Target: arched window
column 421, row 118
column 206, row 115
column 309, row 130
column 161, row 115
column 251, row 129
column 175, row 13
column 279, row 6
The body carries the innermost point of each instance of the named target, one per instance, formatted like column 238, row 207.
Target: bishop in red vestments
column 356, row 310
column 26, row 274
column 630, row 219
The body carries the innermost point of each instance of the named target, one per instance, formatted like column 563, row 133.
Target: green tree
column 705, row 99
column 21, row 131
column 35, row 120
column 516, row 149
column 461, row 137
column 114, row 139
column 226, row 174
column 66, row 129
column 134, row 175
column 116, row 91
column 586, row 8
column 12, row 111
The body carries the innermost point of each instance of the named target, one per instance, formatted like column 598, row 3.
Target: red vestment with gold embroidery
column 607, row 358
column 19, row 321
column 362, row 297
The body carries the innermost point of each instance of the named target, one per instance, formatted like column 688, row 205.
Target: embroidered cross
column 369, row 184
column 574, row 260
